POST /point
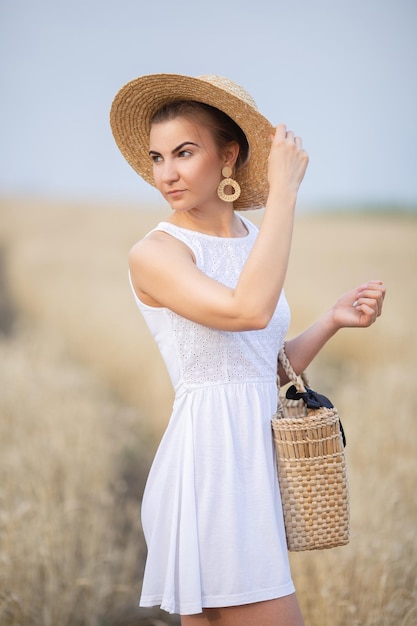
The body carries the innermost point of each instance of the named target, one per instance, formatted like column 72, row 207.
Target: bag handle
column 312, row 399
column 301, row 381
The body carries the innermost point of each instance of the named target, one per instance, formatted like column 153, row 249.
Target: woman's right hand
column 287, row 162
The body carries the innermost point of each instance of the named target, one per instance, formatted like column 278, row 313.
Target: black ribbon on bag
column 313, row 400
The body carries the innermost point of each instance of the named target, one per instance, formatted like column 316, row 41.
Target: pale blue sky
column 342, row 74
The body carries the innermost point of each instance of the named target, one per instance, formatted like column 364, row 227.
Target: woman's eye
column 184, row 153
column 156, row 158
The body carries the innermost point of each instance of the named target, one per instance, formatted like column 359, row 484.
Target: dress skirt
column 211, row 511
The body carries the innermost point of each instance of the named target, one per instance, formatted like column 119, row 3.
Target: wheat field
column 84, row 398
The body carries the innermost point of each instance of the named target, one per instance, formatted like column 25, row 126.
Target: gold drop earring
column 226, row 182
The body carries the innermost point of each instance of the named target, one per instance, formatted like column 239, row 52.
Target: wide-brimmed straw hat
column 136, row 103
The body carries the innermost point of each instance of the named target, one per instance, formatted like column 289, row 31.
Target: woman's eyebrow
column 175, row 150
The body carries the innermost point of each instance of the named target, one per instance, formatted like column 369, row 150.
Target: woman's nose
column 169, row 172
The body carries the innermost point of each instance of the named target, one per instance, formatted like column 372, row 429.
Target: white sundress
column 211, row 511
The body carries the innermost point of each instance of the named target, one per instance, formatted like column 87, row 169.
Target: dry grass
column 84, row 397
column 68, row 530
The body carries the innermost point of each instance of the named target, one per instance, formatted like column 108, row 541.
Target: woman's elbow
column 258, row 321
column 251, row 315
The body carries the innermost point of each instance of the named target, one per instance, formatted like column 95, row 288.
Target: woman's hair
column 222, row 127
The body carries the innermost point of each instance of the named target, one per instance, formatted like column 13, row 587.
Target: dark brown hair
column 222, row 127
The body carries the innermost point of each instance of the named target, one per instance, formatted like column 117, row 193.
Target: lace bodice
column 196, row 355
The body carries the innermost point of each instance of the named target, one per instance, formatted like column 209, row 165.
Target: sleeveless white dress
column 211, row 511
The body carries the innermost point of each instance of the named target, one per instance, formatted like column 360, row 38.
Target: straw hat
column 137, row 102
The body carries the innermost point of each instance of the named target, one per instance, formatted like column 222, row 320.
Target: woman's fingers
column 368, row 306
column 372, row 294
column 287, row 161
column 282, row 134
column 360, row 307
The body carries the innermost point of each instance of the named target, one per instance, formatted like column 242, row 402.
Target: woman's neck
column 220, row 223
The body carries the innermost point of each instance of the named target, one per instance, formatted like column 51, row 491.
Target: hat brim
column 137, row 102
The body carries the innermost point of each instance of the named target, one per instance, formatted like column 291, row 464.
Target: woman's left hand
column 360, row 307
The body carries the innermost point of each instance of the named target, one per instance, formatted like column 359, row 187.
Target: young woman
column 210, row 286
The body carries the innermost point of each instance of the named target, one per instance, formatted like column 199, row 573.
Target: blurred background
column 84, row 396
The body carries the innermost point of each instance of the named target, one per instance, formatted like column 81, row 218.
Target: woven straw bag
column 309, row 443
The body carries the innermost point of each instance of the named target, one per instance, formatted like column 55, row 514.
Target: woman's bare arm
column 358, row 308
column 163, row 269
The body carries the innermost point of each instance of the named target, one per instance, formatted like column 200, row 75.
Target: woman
column 210, row 286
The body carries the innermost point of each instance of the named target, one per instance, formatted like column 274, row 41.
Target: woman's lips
column 175, row 192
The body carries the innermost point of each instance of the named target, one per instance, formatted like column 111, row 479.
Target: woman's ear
column 231, row 153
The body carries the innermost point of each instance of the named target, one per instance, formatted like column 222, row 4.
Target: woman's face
column 186, row 163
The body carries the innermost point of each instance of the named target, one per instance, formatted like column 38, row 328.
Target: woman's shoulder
column 158, row 245
column 156, row 258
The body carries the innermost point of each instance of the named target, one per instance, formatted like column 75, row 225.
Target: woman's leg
column 280, row 612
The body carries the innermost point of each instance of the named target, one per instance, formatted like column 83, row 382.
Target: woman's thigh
column 280, row 612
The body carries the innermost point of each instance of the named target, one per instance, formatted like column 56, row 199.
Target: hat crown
column 231, row 87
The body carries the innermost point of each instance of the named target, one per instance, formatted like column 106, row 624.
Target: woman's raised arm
column 164, row 273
